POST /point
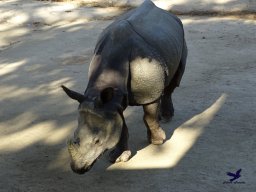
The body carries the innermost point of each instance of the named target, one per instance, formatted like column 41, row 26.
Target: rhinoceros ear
column 73, row 95
column 107, row 95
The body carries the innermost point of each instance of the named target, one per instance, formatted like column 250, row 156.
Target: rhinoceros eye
column 77, row 141
column 96, row 141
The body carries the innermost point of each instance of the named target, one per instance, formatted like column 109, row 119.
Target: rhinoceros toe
column 125, row 156
column 157, row 136
column 117, row 155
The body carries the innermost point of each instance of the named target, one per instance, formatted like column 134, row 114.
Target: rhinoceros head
column 99, row 128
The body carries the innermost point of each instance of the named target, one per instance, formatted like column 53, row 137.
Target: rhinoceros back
column 156, row 40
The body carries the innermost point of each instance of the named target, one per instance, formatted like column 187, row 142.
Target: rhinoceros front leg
column 121, row 153
column 156, row 134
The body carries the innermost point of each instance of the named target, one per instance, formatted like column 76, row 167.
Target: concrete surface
column 31, row 12
column 180, row 5
column 211, row 133
column 28, row 12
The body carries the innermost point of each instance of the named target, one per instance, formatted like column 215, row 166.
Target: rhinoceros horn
column 72, row 150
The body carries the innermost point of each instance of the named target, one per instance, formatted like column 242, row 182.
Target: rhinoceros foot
column 156, row 136
column 118, row 155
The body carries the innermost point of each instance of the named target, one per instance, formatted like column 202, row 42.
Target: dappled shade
column 213, row 133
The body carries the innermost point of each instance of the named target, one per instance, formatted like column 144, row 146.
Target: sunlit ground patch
column 173, row 150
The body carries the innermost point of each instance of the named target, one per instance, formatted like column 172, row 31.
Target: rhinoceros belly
column 147, row 81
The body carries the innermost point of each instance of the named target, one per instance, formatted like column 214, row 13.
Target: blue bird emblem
column 234, row 176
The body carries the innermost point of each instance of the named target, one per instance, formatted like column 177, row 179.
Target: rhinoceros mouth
column 85, row 168
column 82, row 170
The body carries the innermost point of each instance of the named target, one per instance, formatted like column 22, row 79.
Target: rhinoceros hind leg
column 167, row 109
column 166, row 106
column 156, row 134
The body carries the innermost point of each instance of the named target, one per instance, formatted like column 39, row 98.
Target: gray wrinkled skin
column 141, row 83
column 97, row 131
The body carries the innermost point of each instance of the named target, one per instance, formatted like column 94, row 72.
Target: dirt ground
column 212, row 132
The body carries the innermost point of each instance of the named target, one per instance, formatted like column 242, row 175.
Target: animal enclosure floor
column 212, row 132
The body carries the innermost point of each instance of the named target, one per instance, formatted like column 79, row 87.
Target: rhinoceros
column 138, row 60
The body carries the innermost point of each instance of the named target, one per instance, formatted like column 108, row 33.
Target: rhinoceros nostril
column 96, row 141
